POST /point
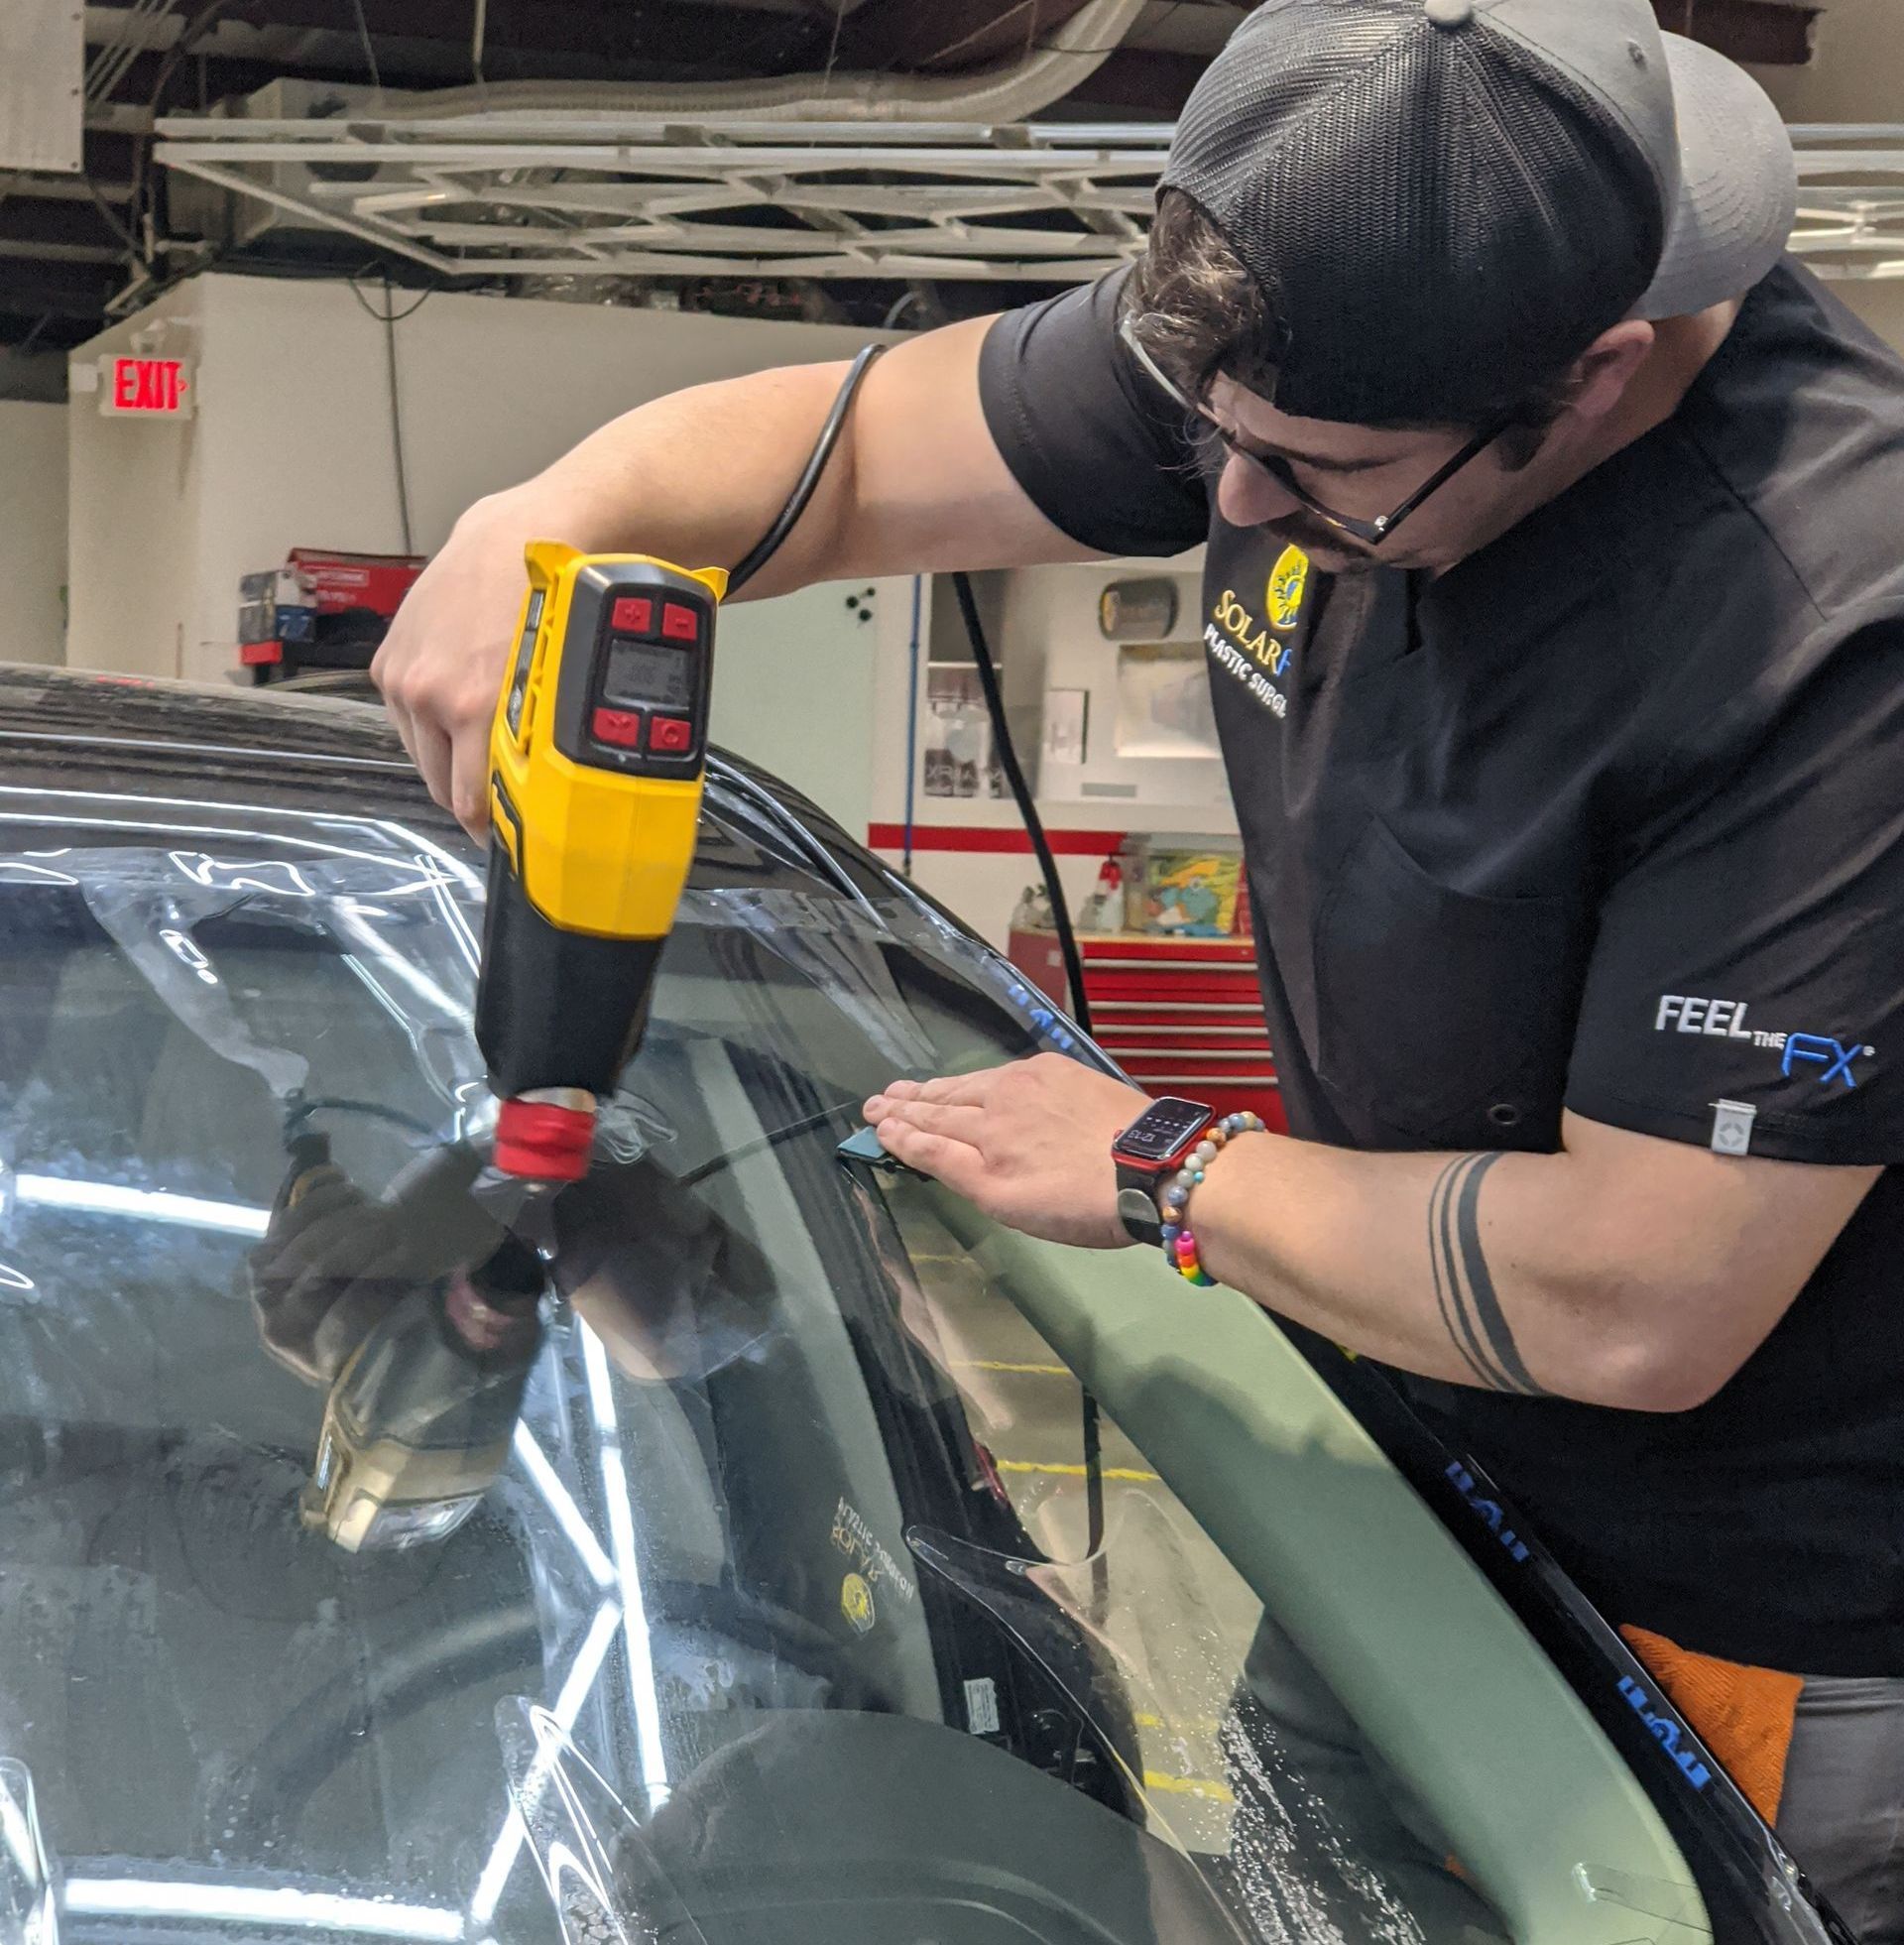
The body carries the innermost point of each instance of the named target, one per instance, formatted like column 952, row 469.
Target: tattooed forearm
column 1470, row 1308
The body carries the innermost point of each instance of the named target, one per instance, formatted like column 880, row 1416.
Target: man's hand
column 1029, row 1144
column 441, row 665
column 334, row 1261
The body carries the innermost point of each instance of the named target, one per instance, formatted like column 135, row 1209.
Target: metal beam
column 537, row 196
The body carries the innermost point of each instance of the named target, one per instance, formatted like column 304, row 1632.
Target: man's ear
column 1608, row 366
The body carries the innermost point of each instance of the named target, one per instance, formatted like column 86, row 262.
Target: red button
column 680, row 624
column 620, row 726
column 671, row 736
column 634, row 614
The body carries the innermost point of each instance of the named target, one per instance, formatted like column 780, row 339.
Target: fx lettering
column 1820, row 1050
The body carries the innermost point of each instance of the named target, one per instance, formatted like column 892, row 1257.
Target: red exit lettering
column 149, row 385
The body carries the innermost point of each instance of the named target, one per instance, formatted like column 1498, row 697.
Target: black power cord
column 769, row 545
column 770, row 542
column 390, row 317
column 1022, row 797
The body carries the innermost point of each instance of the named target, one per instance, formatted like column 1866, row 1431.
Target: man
column 1555, row 612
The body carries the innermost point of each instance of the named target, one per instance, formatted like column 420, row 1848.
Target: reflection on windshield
column 767, row 1605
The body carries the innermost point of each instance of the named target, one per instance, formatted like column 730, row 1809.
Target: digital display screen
column 1165, row 1129
column 648, row 676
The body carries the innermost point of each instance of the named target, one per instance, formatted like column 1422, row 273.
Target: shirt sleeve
column 1755, row 953
column 1100, row 450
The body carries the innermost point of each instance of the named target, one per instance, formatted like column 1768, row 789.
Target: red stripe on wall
column 963, row 837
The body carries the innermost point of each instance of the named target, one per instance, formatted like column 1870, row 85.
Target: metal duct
column 1007, row 91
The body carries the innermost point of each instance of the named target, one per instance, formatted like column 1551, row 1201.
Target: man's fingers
column 960, row 1089
column 959, row 1167
column 958, row 1124
column 469, row 777
column 432, row 750
column 402, row 722
column 955, row 1090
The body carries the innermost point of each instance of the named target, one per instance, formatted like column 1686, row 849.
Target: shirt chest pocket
column 1443, row 1016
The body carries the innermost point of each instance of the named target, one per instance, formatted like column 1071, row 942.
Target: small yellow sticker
column 855, row 1603
column 1288, row 584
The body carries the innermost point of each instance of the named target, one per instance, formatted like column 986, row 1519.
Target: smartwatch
column 1153, row 1146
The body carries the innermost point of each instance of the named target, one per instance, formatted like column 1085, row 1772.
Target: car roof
column 152, row 736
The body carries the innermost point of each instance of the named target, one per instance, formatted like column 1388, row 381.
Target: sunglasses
column 1372, row 532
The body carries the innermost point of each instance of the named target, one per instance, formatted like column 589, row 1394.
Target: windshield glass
column 788, row 1606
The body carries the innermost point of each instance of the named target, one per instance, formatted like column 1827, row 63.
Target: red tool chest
column 1180, row 1016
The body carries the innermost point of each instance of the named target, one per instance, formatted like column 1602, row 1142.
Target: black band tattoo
column 1471, row 1310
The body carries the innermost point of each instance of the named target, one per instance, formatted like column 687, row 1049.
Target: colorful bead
column 1173, row 1201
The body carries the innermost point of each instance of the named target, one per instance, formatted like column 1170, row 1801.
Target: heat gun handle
column 555, row 1009
column 309, row 1152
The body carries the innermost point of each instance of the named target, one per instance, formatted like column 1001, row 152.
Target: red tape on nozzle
column 539, row 1143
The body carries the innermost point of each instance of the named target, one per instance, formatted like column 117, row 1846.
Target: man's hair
column 1202, row 316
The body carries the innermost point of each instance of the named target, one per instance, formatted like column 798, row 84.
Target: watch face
column 1163, row 1130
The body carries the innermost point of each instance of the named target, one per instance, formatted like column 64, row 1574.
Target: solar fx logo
column 1243, row 642
column 1825, row 1058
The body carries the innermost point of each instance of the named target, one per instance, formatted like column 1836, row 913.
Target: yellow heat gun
column 597, row 757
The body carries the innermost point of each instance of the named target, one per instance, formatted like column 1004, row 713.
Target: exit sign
column 145, row 388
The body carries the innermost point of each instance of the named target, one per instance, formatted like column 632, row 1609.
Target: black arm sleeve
column 1755, row 953
column 1102, row 453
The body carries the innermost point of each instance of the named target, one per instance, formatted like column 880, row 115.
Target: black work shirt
column 1609, row 818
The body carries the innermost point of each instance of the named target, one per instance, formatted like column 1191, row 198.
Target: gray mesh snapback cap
column 1445, row 201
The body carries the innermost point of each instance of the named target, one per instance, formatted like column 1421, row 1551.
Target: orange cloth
column 1744, row 1716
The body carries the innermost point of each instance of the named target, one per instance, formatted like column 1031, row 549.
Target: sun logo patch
column 1288, row 584
column 856, row 1604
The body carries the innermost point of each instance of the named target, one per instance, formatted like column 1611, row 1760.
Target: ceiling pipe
column 1006, row 91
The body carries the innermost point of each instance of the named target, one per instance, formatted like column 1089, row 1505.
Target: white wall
column 1856, row 70
column 291, row 445
column 133, row 501
column 1879, row 304
column 33, row 531
column 1856, row 74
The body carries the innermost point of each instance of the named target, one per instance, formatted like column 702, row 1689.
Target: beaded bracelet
column 1173, row 1203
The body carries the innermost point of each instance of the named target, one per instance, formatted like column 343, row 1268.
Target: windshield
column 804, row 1595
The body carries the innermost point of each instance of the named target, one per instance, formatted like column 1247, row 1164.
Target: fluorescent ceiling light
column 619, row 1506
column 561, row 1502
column 149, row 1204
column 238, row 1904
